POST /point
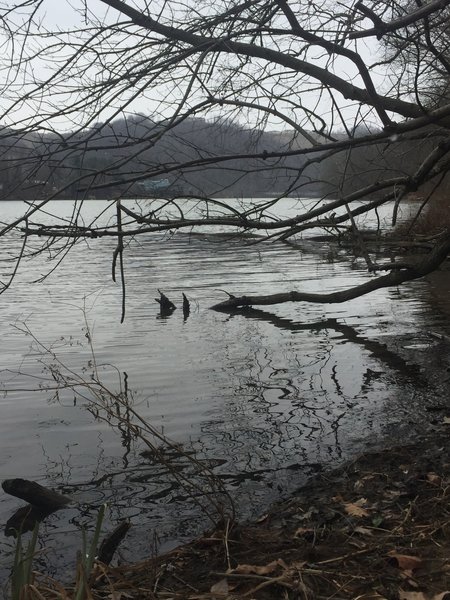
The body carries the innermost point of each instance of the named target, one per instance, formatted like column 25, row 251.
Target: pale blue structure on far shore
column 153, row 185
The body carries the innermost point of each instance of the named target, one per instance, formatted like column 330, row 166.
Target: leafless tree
column 308, row 82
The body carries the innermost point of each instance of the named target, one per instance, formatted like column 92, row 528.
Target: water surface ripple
column 263, row 398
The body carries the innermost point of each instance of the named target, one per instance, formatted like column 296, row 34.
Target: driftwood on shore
column 41, row 503
column 112, row 541
column 186, row 306
column 25, row 519
column 37, row 495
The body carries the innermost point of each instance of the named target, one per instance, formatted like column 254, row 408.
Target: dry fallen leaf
column 434, row 478
column 402, row 595
column 355, row 509
column 220, row 588
column 301, row 531
column 256, row 569
column 364, row 531
column 405, row 562
column 446, row 420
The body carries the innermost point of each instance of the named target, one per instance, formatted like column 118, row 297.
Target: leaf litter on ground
column 377, row 528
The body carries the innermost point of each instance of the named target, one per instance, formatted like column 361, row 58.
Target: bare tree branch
column 394, row 278
column 380, row 28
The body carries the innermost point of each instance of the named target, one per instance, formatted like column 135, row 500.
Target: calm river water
column 263, row 399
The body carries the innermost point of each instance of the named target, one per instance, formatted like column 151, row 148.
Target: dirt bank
column 376, row 528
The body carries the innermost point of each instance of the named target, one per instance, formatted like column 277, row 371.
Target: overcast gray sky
column 65, row 15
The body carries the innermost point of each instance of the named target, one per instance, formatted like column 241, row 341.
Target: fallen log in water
column 166, row 306
column 186, row 306
column 35, row 494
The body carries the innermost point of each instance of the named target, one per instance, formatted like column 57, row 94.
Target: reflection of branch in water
column 287, row 412
column 335, row 381
column 307, row 403
column 376, row 349
column 116, row 408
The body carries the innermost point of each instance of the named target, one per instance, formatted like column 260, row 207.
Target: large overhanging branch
column 240, row 220
column 381, row 28
column 322, row 216
column 396, row 277
column 229, row 46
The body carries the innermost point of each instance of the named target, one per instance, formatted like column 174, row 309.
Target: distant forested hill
column 112, row 159
column 124, row 157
